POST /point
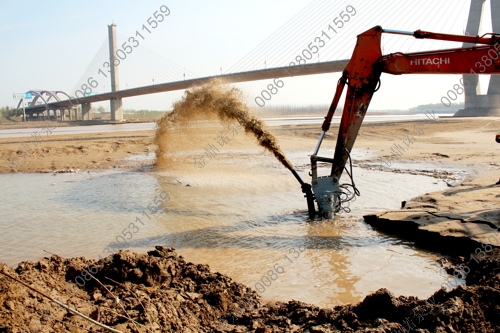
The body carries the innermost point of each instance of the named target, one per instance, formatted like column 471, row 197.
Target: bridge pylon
column 477, row 105
column 115, row 103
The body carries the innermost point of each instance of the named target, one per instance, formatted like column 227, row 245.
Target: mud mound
column 486, row 271
column 161, row 292
column 158, row 290
column 470, row 309
column 214, row 100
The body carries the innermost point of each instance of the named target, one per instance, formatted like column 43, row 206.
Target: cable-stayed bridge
column 317, row 40
column 308, row 69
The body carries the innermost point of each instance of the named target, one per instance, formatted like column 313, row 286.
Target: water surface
column 245, row 216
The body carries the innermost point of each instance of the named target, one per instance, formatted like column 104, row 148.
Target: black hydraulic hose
column 351, row 175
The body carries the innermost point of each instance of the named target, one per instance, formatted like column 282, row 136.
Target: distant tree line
column 322, row 109
column 143, row 112
column 437, row 107
column 289, row 109
column 7, row 112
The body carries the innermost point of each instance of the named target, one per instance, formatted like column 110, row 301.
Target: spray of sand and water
column 212, row 101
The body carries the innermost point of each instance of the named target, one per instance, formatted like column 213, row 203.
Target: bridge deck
column 278, row 72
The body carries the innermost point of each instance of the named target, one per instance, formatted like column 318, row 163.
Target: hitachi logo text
column 429, row 61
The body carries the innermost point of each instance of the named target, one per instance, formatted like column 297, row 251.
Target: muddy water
column 243, row 214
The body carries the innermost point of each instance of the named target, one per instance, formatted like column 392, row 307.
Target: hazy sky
column 51, row 44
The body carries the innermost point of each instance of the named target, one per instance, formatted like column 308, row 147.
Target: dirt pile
column 161, row 292
column 211, row 101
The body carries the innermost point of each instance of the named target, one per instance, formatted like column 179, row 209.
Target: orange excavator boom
column 362, row 77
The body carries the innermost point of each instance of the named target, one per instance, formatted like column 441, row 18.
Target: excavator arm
column 362, row 77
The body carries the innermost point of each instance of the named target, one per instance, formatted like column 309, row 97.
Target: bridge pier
column 116, row 109
column 86, row 111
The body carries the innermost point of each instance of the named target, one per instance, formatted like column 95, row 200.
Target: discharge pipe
column 308, row 194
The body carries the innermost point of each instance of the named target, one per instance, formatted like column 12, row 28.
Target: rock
column 194, row 295
column 453, row 307
column 43, row 265
column 96, row 295
column 10, row 305
column 380, row 321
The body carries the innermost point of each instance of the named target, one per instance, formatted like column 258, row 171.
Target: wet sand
column 468, row 142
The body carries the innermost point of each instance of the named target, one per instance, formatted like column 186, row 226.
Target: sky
column 59, row 45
